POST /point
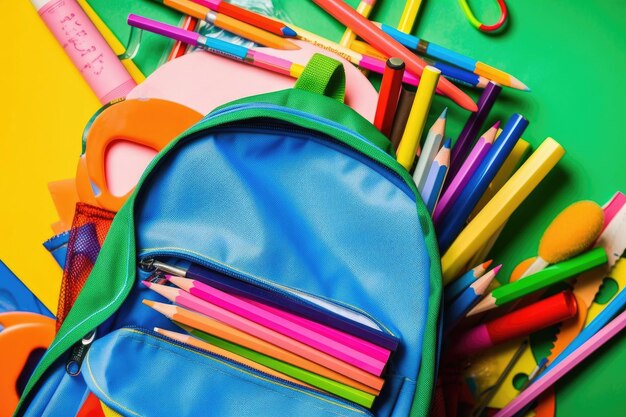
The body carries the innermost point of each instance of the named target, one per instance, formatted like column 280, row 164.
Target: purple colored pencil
column 472, row 127
column 465, row 173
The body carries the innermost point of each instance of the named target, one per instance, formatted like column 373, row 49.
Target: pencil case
column 291, row 194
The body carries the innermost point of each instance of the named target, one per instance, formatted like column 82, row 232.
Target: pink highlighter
column 87, row 49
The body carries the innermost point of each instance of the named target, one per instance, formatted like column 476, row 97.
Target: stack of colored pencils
column 273, row 341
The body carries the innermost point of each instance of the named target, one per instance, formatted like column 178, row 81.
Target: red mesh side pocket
column 89, row 228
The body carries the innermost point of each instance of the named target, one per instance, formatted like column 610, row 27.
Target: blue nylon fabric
column 60, row 395
column 186, row 380
column 300, row 212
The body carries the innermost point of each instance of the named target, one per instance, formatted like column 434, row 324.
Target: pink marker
column 87, row 49
column 469, row 167
column 259, row 323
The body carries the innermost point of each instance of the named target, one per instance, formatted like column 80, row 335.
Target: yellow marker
column 407, row 20
column 112, row 41
column 364, row 9
column 417, row 117
column 500, row 208
column 365, row 48
column 506, row 170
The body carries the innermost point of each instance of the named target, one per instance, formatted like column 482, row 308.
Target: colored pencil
column 499, row 208
column 249, row 17
column 340, row 355
column 405, row 102
column 220, row 47
column 417, row 117
column 282, row 320
column 465, row 173
column 388, row 96
column 453, row 290
column 424, row 47
column 230, row 24
column 602, row 319
column 458, row 213
column 364, row 9
column 284, row 370
column 355, row 327
column 433, row 142
column 467, row 299
column 409, row 15
column 567, row 364
column 298, row 328
column 455, row 74
column 473, row 125
column 521, row 322
column 223, row 331
column 542, row 279
column 192, row 341
column 385, row 43
column 436, row 176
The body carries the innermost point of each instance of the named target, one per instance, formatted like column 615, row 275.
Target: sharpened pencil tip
column 149, row 303
column 497, row 269
column 487, row 263
column 496, row 125
column 448, row 143
column 146, row 283
column 289, row 32
column 444, row 113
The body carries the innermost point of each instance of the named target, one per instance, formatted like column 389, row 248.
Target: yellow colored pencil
column 365, row 48
column 112, row 41
column 500, row 208
column 364, row 9
column 409, row 15
column 417, row 117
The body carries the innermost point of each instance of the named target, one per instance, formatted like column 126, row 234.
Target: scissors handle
column 504, row 14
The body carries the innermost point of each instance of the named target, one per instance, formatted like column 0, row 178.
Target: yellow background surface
column 45, row 106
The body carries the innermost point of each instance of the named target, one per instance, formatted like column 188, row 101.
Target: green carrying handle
column 323, row 75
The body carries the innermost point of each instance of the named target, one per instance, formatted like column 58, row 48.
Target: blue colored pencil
column 460, row 75
column 452, row 224
column 467, row 300
column 452, row 290
column 436, row 177
column 424, row 47
column 602, row 319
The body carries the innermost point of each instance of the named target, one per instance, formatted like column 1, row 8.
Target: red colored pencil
column 249, row 17
column 373, row 35
column 388, row 96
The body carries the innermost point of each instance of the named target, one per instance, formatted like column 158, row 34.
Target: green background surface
column 572, row 54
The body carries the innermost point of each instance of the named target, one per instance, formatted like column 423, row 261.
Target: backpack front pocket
column 184, row 381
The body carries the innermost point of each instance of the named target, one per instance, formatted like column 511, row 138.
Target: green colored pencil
column 542, row 279
column 315, row 380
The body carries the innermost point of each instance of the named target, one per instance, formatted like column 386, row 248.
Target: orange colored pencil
column 250, row 17
column 225, row 22
column 223, row 331
column 192, row 341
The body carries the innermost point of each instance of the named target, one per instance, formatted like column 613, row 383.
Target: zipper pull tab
column 79, row 351
column 151, row 264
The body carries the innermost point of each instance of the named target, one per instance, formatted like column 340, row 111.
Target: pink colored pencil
column 279, row 320
column 354, row 342
column 308, row 348
column 546, row 381
column 465, row 173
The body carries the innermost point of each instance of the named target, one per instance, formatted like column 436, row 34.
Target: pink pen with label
column 87, row 49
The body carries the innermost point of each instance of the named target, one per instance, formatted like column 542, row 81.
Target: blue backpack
column 291, row 192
